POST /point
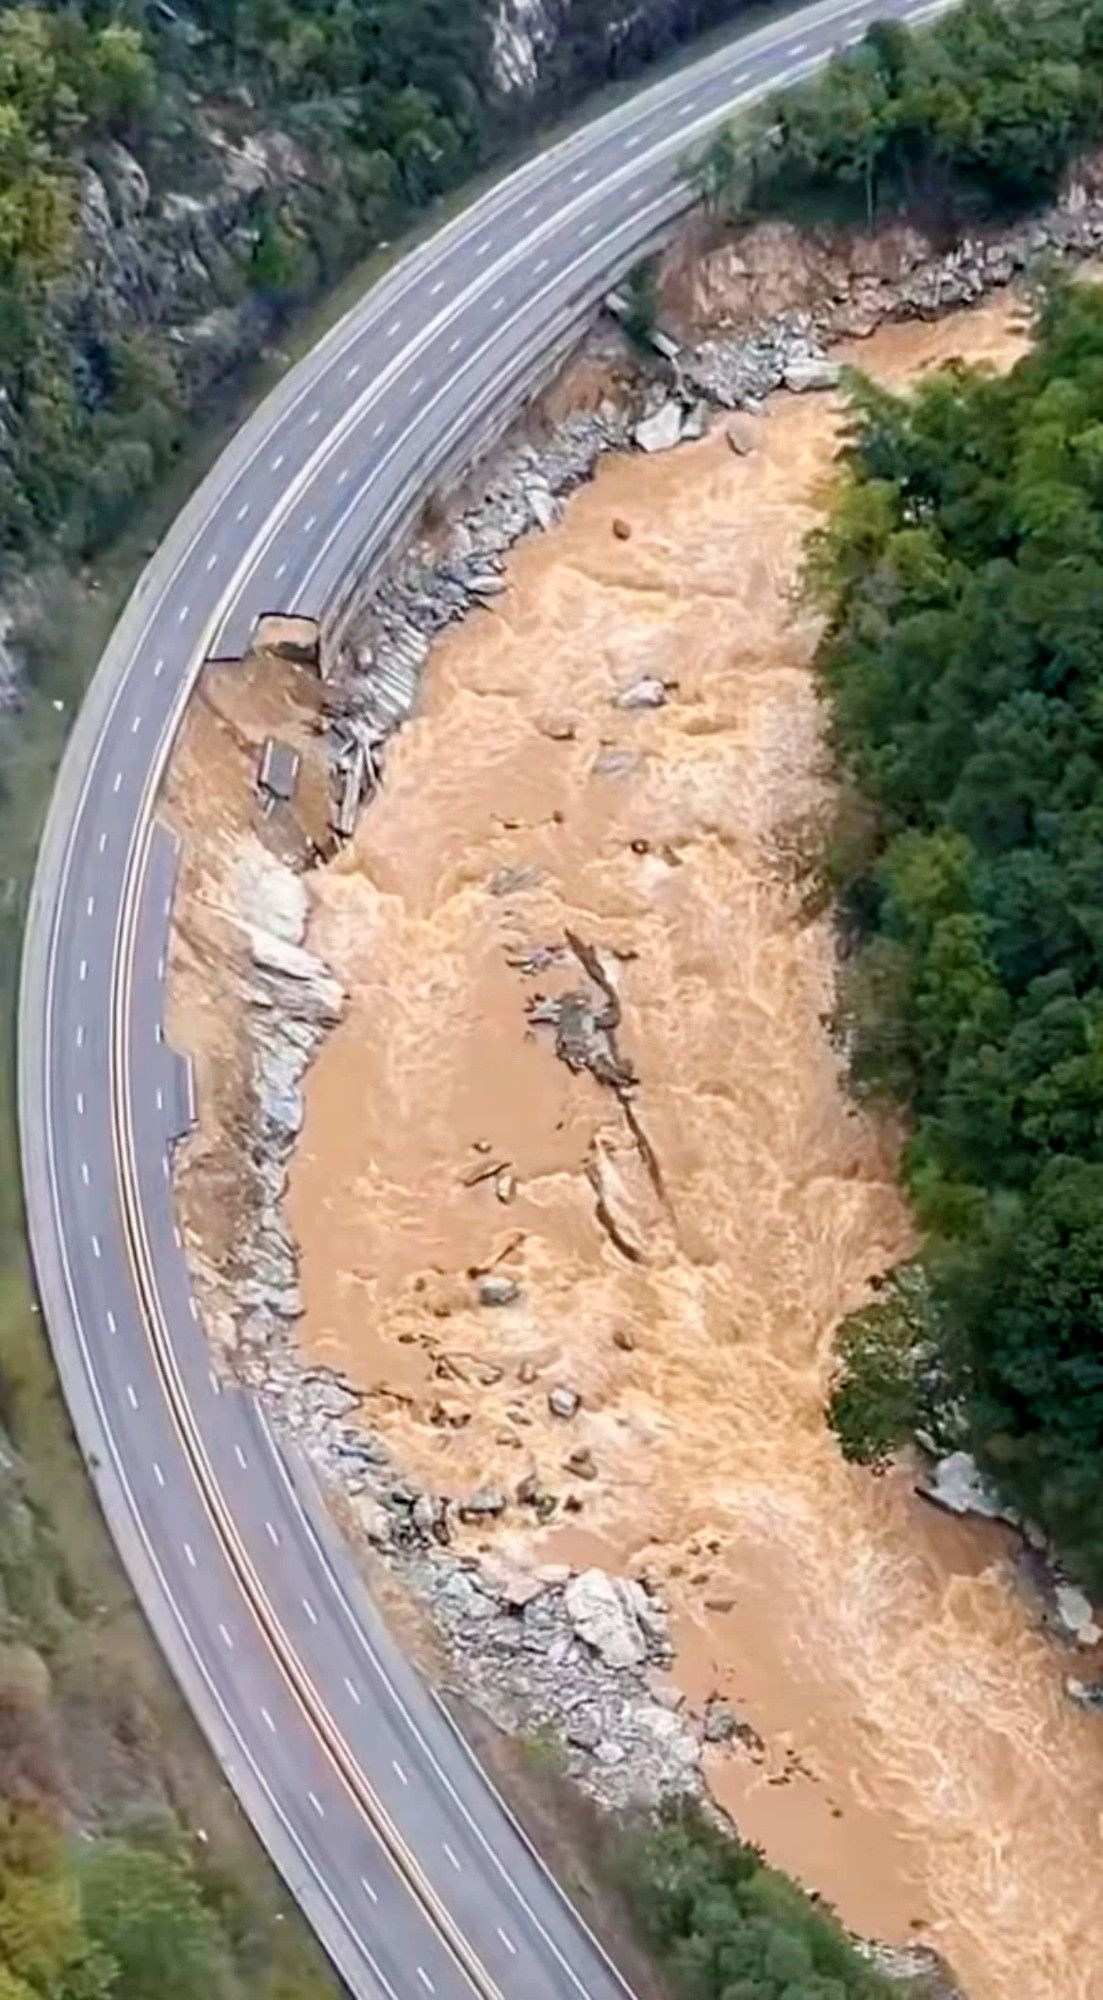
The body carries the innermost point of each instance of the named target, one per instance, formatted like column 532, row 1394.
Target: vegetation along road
column 401, row 1856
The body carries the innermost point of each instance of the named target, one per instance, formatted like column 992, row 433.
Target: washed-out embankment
column 579, row 1198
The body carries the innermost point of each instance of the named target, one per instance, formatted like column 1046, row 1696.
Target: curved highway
column 406, row 1862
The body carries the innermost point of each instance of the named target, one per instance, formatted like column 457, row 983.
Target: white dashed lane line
column 84, row 1174
column 238, row 1453
column 80, row 1035
column 507, row 1940
column 97, row 1248
column 352, row 1690
column 242, row 511
column 399, row 1772
column 272, row 1535
column 82, row 972
column 212, row 559
column 112, row 1322
column 226, row 1639
column 131, row 1395
column 277, row 461
column 317, row 1804
column 135, row 725
column 117, row 781
column 190, row 1553
column 80, row 1104
column 158, row 1474
column 310, row 1611
column 368, row 1890
column 451, row 1857
column 267, row 1720
column 425, row 1979
column 353, row 372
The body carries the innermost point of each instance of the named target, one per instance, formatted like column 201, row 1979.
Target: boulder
column 564, row 1402
column 1086, row 1694
column 741, row 432
column 1073, row 1617
column 622, row 529
column 660, row 431
column 718, row 1725
column 483, row 1505
column 603, row 1613
column 582, row 1464
column 647, row 692
column 811, row 371
column 494, row 1289
column 958, row 1485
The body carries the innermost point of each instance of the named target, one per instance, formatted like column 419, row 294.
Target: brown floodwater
column 918, row 1761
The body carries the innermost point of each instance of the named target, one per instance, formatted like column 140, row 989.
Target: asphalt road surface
column 414, row 1876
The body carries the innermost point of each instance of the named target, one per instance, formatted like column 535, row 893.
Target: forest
column 979, row 114
column 724, row 1926
column 962, row 576
column 386, row 105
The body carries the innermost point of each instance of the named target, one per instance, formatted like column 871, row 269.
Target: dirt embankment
column 915, row 1758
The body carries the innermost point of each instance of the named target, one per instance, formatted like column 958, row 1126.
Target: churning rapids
column 921, row 1764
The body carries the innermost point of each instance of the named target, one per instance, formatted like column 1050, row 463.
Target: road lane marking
column 541, row 266
column 80, row 1104
column 437, row 289
column 399, row 1771
column 112, row 1323
column 159, row 669
column 376, row 433
column 507, row 1940
column 82, row 972
column 243, row 510
column 131, row 1397
column 117, row 781
column 103, row 842
column 182, row 615
column 280, row 571
column 451, row 1857
column 238, row 1453
column 313, row 418
column 84, row 1172
column 317, row 1804
column 425, row 1979
column 499, row 302
column 160, row 1098
column 310, row 1611
column 226, row 1639
column 393, row 328
column 312, row 523
column 455, row 345
column 368, row 1890
column 135, row 725
column 91, row 905
column 190, row 1553
column 342, row 475
column 158, row 1474
column 278, row 461
column 216, row 1386
column 353, row 372
column 80, row 1035
column 416, row 388
column 352, row 1690
column 272, row 1535
column 211, row 560
column 267, row 1720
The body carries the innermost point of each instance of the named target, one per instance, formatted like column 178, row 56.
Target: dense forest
column 980, row 113
column 121, row 267
column 963, row 578
column 724, row 1926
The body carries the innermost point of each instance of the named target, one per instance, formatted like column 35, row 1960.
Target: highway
column 409, row 1867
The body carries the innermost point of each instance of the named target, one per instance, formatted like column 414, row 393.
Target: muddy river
column 919, row 1762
